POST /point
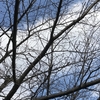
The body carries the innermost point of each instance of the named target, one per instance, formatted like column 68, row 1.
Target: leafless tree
column 49, row 49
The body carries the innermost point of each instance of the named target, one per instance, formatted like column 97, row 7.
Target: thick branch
column 83, row 86
column 13, row 90
column 57, row 17
column 14, row 33
column 5, row 83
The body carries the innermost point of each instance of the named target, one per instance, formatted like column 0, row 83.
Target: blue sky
column 50, row 11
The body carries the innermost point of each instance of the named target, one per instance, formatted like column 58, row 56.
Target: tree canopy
column 49, row 49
